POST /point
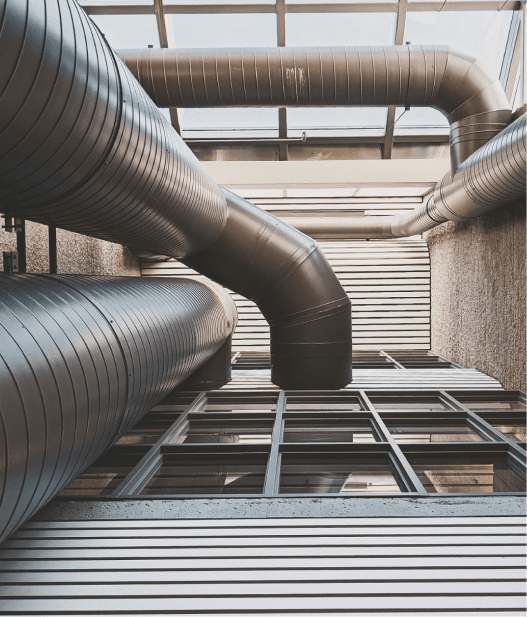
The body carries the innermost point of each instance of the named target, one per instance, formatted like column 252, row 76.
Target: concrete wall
column 76, row 254
column 478, row 293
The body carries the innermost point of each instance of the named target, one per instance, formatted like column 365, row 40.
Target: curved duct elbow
column 84, row 148
column 493, row 176
column 411, row 75
column 82, row 359
column 285, row 273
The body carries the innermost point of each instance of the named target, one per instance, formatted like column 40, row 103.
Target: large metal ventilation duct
column 82, row 359
column 487, row 155
column 288, row 277
column 417, row 76
column 84, row 148
column 492, row 177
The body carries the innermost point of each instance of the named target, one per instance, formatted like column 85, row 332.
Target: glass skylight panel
column 218, row 2
column 325, row 192
column 128, row 31
column 309, row 29
column 394, row 191
column 114, row 2
column 481, row 34
column 336, row 120
column 229, row 30
column 336, row 1
column 230, row 123
column 419, row 120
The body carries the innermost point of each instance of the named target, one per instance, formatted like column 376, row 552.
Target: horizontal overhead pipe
column 82, row 359
column 487, row 155
column 286, row 274
column 492, row 177
column 459, row 86
column 83, row 147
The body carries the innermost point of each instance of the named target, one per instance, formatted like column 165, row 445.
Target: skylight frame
column 511, row 73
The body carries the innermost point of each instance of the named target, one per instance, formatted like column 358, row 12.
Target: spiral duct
column 492, row 177
column 84, row 148
column 82, row 359
column 411, row 75
column 286, row 274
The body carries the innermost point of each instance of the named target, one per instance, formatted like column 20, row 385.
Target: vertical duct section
column 82, row 359
column 285, row 273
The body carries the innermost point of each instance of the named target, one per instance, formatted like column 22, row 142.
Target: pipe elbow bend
column 285, row 273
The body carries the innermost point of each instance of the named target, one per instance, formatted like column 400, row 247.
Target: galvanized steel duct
column 82, row 359
column 288, row 277
column 492, row 177
column 424, row 76
column 84, row 148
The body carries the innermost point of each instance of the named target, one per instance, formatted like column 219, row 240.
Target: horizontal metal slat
column 198, row 591
column 280, row 575
column 264, row 551
column 139, row 531
column 319, row 603
column 45, row 544
column 382, row 521
column 325, row 564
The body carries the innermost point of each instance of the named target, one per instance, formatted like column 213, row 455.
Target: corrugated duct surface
column 83, row 147
column 409, row 75
column 81, row 360
column 387, row 281
column 383, row 566
column 287, row 276
column 491, row 177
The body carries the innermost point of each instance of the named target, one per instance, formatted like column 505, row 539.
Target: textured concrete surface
column 76, row 254
column 478, row 294
column 282, row 507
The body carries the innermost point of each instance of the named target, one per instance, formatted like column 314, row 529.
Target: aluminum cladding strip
column 411, row 75
column 83, row 147
column 84, row 358
column 286, row 274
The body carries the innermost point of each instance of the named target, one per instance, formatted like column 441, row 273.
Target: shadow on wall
column 478, row 293
column 76, row 254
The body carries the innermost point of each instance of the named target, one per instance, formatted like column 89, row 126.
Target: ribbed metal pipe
column 411, row 75
column 492, row 177
column 82, row 359
column 84, row 148
column 286, row 274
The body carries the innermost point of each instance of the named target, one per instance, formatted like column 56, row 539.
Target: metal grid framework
column 334, row 444
column 510, row 74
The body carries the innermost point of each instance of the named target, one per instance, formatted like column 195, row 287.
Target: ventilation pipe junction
column 487, row 155
column 83, row 147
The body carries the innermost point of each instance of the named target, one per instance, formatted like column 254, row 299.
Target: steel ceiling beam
column 330, row 174
column 281, row 10
column 377, row 7
column 390, row 117
column 164, row 39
